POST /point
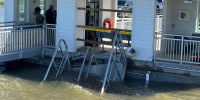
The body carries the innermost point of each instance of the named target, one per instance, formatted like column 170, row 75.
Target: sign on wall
column 183, row 15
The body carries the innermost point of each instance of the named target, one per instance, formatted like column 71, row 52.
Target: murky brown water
column 23, row 83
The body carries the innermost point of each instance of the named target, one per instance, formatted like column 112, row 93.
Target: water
column 22, row 82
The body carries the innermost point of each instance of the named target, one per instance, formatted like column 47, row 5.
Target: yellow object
column 1, row 2
column 103, row 30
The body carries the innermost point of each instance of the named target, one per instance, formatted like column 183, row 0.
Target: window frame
column 22, row 10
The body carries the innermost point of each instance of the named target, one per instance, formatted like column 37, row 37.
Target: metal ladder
column 114, row 58
column 88, row 55
column 65, row 59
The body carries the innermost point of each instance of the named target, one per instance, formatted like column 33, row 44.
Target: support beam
column 66, row 23
column 143, row 28
column 9, row 10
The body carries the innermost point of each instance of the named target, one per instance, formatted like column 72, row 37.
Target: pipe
column 147, row 79
column 147, row 75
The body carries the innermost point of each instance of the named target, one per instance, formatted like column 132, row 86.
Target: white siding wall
column 176, row 26
column 143, row 29
column 9, row 10
column 66, row 22
column 80, row 20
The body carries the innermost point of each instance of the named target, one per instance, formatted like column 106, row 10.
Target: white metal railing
column 124, row 23
column 50, row 35
column 6, row 26
column 18, row 38
column 7, row 23
column 177, row 48
column 158, row 23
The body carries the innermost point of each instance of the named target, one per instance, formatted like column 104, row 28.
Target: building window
column 21, row 10
column 42, row 5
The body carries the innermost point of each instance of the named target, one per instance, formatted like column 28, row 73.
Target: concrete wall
column 66, row 22
column 143, row 28
column 9, row 10
column 175, row 26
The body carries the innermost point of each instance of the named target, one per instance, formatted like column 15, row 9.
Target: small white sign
column 188, row 1
column 183, row 15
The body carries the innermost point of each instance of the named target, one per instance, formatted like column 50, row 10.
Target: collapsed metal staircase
column 115, row 69
column 116, row 66
column 114, row 58
column 65, row 59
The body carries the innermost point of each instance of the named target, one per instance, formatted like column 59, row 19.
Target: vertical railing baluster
column 155, row 42
column 182, row 39
column 46, row 32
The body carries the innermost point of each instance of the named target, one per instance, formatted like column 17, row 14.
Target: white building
column 180, row 18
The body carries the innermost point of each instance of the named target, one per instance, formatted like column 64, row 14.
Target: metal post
column 182, row 39
column 52, row 60
column 79, row 76
column 43, row 40
column 46, row 32
column 90, row 62
column 154, row 53
column 108, row 66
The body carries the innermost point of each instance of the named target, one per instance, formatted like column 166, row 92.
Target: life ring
column 107, row 20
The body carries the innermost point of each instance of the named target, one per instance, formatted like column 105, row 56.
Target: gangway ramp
column 20, row 54
column 19, row 43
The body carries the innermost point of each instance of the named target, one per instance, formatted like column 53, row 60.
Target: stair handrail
column 115, row 40
column 89, row 49
column 54, row 55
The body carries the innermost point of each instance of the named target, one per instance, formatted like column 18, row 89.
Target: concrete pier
column 2, row 67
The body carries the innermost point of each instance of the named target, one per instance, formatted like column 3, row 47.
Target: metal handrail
column 117, row 39
column 18, row 40
column 188, row 36
column 177, row 48
column 15, row 38
column 7, row 22
column 84, row 60
column 50, row 35
column 65, row 56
